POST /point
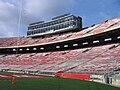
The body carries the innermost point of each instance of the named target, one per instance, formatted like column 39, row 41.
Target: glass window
column 48, row 24
column 41, row 25
column 32, row 27
column 37, row 26
column 57, row 27
column 28, row 33
column 45, row 24
column 38, row 31
column 54, row 27
column 61, row 26
column 44, row 30
column 55, row 22
column 49, row 29
column 41, row 30
column 35, row 32
column 62, row 20
column 70, row 24
column 74, row 23
column 31, row 32
column 51, row 23
column 58, row 21
column 67, row 24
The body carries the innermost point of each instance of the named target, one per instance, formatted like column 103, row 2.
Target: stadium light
column 57, row 46
column 97, row 41
column 108, row 39
column 41, row 48
column 27, row 49
column 21, row 49
column 34, row 48
column 118, row 37
column 75, row 44
column 85, row 43
column 14, row 49
column 65, row 45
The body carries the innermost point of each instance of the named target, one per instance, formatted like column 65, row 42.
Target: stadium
column 62, row 55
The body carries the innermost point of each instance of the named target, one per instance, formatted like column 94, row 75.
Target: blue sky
column 92, row 12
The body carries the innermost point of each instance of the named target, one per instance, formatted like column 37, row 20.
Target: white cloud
column 8, row 19
column 47, row 7
column 32, row 10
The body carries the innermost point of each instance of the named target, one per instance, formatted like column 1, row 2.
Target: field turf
column 52, row 84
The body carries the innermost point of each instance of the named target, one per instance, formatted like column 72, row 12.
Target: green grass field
column 52, row 84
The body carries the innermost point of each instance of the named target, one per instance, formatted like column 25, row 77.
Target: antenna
column 19, row 23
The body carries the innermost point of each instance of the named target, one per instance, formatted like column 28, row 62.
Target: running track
column 21, row 76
